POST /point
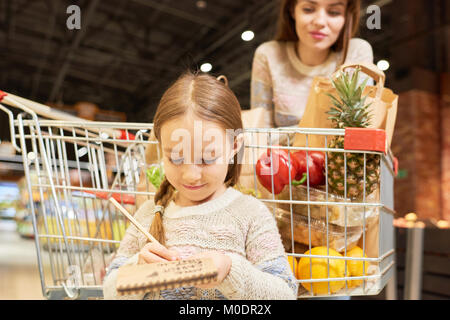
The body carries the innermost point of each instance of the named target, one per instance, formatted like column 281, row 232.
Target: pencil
column 133, row 220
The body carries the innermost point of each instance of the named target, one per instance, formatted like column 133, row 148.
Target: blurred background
column 127, row 52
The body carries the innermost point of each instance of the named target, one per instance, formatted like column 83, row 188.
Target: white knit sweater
column 234, row 224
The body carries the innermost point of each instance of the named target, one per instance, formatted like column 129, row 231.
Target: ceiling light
column 383, row 65
column 247, row 35
column 206, row 67
column 201, row 4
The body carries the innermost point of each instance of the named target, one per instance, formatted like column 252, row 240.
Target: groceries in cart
column 277, row 168
column 324, row 194
column 323, row 268
column 314, row 231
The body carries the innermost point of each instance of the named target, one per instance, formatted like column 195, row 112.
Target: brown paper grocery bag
column 383, row 106
column 372, row 237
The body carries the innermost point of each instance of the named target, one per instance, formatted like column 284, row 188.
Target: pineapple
column 350, row 110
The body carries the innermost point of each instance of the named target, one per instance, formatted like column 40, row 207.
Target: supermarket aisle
column 19, row 274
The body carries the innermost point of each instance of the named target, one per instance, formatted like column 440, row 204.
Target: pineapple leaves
column 334, row 111
column 350, row 110
column 336, row 102
column 339, row 84
column 354, row 82
column 363, row 85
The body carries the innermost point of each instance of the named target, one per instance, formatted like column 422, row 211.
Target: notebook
column 165, row 275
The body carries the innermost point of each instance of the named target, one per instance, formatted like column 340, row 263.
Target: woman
column 314, row 38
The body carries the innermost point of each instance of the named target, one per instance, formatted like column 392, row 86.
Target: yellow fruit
column 119, row 228
column 77, row 229
column 319, row 269
column 355, row 268
column 291, row 263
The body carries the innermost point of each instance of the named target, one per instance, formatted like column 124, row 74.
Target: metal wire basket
column 72, row 166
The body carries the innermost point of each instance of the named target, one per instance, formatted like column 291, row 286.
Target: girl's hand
column 155, row 252
column 222, row 262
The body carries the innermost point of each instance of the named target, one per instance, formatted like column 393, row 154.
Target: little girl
column 196, row 212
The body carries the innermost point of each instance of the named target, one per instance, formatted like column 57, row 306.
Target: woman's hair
column 286, row 25
column 208, row 98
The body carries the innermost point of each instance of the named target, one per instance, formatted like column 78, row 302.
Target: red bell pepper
column 126, row 136
column 280, row 167
column 298, row 169
column 315, row 161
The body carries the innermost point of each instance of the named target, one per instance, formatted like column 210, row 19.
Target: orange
column 318, row 268
column 356, row 267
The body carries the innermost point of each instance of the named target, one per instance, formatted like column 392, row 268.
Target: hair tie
column 159, row 209
column 222, row 77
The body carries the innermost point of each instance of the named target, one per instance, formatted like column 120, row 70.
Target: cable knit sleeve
column 261, row 90
column 265, row 274
column 127, row 254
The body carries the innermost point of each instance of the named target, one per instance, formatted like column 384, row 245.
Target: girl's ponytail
column 162, row 198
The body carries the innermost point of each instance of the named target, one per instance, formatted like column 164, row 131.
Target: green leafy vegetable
column 155, row 174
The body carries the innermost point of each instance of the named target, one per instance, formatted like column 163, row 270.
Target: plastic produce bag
column 337, row 214
column 318, row 231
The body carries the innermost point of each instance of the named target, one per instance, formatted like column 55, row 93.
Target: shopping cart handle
column 395, row 166
column 119, row 197
column 365, row 139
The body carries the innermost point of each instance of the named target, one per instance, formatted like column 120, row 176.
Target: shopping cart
column 71, row 166
column 319, row 227
column 77, row 231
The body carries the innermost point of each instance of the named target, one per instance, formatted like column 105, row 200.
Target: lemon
column 119, row 228
column 291, row 263
column 319, row 270
column 356, row 267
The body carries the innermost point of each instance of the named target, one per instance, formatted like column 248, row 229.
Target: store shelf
column 11, row 163
column 9, row 195
column 16, row 163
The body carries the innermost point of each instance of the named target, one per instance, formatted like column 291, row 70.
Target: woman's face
column 196, row 154
column 318, row 23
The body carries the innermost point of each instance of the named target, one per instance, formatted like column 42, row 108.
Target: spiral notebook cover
column 165, row 275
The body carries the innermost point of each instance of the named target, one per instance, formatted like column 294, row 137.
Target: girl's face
column 196, row 154
column 318, row 23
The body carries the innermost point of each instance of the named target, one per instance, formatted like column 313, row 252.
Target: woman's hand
column 222, row 262
column 155, row 252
